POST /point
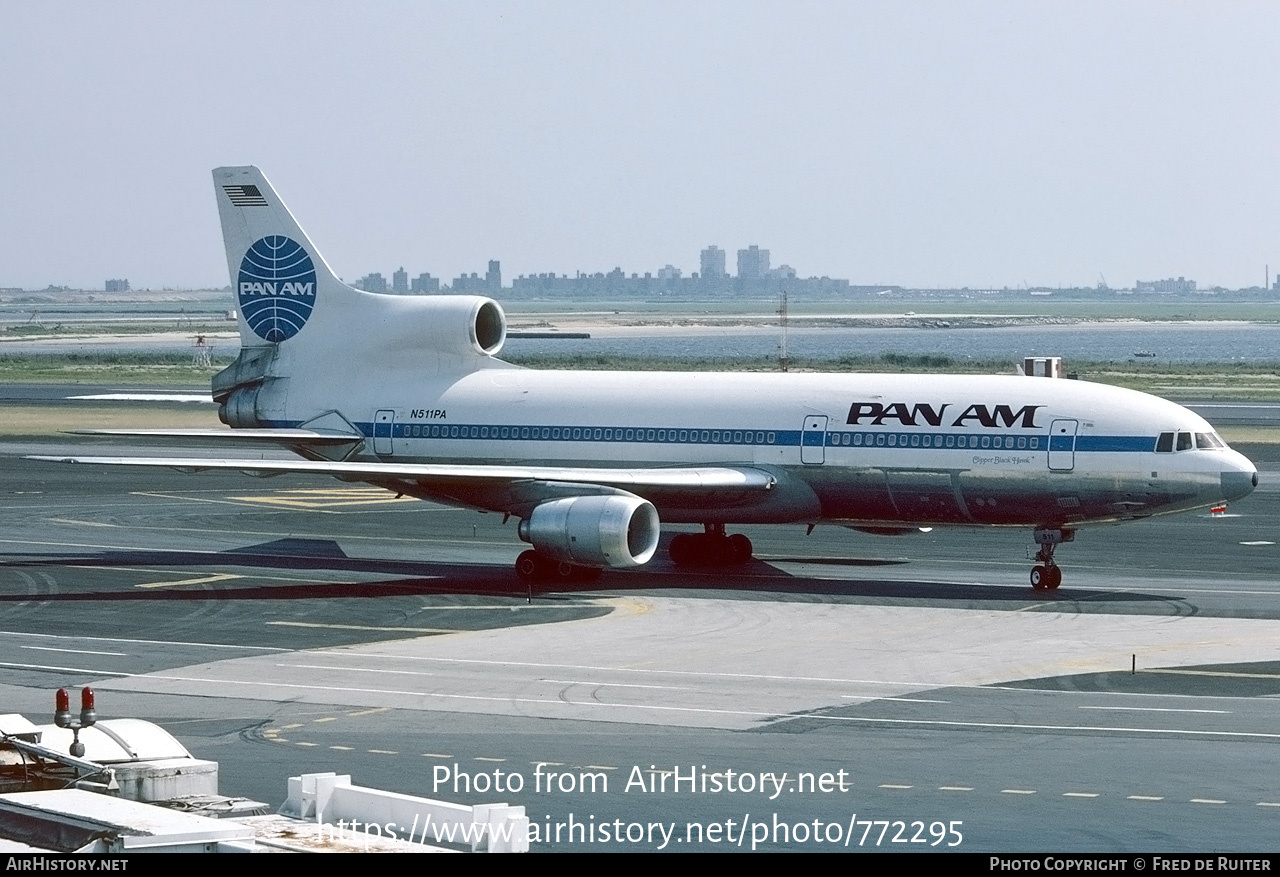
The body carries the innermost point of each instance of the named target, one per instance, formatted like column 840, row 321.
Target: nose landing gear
column 1048, row 575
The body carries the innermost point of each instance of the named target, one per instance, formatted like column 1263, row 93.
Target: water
column 1098, row 342
column 1170, row 342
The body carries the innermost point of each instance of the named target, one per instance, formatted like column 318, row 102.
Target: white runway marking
column 353, row 670
column 363, row 627
column 203, row 580
column 150, row 642
column 75, row 651
column 1154, row 709
column 611, row 684
column 1016, row 726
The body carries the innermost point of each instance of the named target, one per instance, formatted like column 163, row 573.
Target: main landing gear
column 534, row 567
column 712, row 548
column 1048, row 575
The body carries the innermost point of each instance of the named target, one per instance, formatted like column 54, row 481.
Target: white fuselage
column 861, row 449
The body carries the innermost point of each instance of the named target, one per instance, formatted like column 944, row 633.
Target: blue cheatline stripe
column 756, row 437
column 1122, row 443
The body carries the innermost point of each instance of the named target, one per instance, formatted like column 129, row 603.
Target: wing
column 222, row 435
column 499, row 488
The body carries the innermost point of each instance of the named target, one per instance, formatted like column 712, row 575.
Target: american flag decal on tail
column 245, row 196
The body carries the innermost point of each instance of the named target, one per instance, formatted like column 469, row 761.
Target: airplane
column 408, row 393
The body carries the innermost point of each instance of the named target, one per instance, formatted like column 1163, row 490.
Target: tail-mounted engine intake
column 461, row 325
column 615, row 531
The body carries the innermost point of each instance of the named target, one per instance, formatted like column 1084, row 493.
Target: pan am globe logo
column 276, row 288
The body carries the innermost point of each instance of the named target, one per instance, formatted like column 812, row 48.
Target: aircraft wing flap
column 679, row 478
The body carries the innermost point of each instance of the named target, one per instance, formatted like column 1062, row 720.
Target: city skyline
column 986, row 144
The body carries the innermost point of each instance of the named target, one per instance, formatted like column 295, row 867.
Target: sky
column 981, row 144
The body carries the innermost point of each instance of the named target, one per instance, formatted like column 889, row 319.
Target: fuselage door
column 1062, row 445
column 384, row 425
column 813, row 440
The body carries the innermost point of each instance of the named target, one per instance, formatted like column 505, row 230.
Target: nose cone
column 1239, row 478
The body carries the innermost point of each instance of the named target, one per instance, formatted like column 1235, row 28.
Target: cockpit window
column 1168, row 442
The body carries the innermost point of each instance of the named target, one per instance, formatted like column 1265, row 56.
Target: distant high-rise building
column 753, row 263
column 472, row 282
column 711, row 265
column 374, row 282
column 493, row 277
column 400, row 280
column 1180, row 285
column 425, row 283
column 121, row 285
column 669, row 272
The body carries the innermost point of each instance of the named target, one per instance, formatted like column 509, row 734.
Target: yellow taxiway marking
column 221, row 577
column 152, row 571
column 379, row 709
column 186, row 498
column 323, row 498
column 360, row 626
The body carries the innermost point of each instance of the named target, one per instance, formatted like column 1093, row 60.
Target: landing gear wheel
column 534, row 567
column 741, row 546
column 683, row 549
column 586, row 573
column 712, row 548
column 1046, row 578
column 1048, row 575
column 528, row 565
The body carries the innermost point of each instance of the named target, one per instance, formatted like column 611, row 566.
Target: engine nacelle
column 239, row 409
column 465, row 325
column 616, row 531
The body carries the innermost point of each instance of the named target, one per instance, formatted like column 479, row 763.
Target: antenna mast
column 783, row 359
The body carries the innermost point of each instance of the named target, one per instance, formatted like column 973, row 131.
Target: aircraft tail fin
column 307, row 338
column 276, row 272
